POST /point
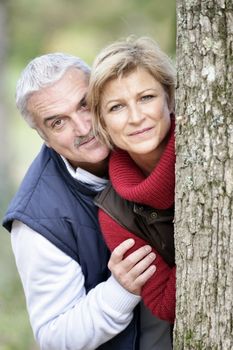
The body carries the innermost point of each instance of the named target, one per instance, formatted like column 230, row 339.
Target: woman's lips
column 142, row 131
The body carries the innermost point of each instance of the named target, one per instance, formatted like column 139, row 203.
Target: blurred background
column 32, row 28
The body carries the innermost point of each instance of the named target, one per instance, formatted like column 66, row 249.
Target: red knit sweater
column 157, row 190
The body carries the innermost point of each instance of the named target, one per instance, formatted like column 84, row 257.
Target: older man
column 72, row 300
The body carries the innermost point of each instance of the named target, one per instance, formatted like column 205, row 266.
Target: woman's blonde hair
column 119, row 59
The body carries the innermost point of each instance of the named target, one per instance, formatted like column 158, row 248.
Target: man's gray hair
column 41, row 72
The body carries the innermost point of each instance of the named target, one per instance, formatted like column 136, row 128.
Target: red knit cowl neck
column 157, row 190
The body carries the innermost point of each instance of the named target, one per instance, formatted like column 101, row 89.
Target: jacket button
column 153, row 215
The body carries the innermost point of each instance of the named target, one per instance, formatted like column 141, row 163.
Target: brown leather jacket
column 154, row 226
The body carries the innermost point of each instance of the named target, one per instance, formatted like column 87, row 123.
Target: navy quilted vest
column 61, row 209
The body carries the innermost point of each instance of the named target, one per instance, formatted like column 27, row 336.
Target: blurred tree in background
column 29, row 29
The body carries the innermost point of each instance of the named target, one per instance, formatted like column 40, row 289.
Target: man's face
column 61, row 114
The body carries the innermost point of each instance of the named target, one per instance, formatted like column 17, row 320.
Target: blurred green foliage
column 15, row 331
column 79, row 27
column 82, row 27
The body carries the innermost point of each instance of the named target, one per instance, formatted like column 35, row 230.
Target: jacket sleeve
column 159, row 291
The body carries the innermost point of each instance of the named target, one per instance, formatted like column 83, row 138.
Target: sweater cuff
column 118, row 298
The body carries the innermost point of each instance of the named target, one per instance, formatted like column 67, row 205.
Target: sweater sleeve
column 159, row 291
column 62, row 314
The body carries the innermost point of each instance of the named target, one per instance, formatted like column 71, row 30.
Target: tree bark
column 204, row 173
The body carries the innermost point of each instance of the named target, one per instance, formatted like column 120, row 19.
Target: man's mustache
column 82, row 139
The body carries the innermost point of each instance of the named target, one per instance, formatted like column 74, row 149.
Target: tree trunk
column 204, row 173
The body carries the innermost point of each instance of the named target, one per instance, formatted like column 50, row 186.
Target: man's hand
column 134, row 270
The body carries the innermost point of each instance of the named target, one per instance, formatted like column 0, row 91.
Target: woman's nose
column 135, row 114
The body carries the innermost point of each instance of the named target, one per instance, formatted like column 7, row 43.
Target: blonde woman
column 131, row 95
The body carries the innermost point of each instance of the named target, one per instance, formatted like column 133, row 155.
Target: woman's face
column 136, row 113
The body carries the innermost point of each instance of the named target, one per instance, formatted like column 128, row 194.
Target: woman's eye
column 116, row 108
column 147, row 97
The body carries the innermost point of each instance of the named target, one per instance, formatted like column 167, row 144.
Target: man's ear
column 41, row 134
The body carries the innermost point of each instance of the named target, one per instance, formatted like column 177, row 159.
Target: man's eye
column 83, row 106
column 116, row 108
column 57, row 123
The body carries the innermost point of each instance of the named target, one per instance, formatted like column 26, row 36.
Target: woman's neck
column 147, row 162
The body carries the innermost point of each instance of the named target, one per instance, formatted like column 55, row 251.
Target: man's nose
column 81, row 125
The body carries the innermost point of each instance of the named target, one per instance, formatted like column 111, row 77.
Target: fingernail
column 148, row 248
column 152, row 256
column 130, row 241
